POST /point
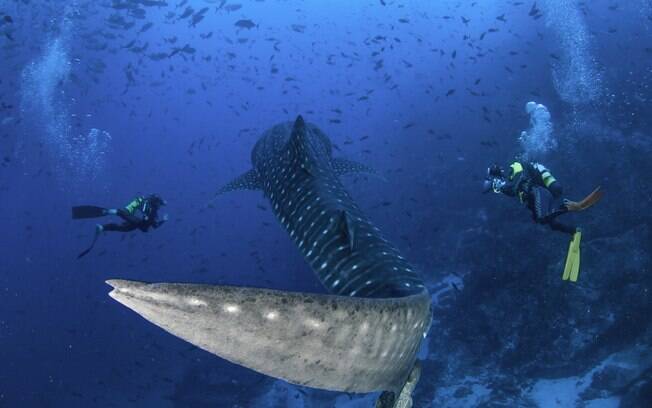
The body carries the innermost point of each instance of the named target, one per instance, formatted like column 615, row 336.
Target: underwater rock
column 514, row 319
column 639, row 395
column 621, row 373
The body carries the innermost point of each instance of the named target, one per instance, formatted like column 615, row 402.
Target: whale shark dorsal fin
column 299, row 148
column 247, row 181
column 347, row 225
column 344, row 166
column 299, row 127
column 297, row 140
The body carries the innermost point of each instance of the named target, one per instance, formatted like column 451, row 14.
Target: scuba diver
column 535, row 186
column 141, row 213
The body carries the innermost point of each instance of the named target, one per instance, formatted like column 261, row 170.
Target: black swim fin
column 98, row 231
column 87, row 211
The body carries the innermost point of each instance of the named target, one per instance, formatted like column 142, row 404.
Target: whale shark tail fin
column 247, row 181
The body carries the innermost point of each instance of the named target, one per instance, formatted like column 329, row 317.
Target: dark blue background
column 64, row 342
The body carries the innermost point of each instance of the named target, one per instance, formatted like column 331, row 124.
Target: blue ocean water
column 104, row 101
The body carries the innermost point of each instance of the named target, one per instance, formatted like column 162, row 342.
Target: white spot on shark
column 313, row 323
column 196, row 302
column 271, row 315
column 231, row 308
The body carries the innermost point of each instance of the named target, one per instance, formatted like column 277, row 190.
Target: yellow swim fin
column 572, row 267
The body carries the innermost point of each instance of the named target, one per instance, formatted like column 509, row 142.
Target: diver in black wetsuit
column 147, row 207
column 536, row 187
column 141, row 213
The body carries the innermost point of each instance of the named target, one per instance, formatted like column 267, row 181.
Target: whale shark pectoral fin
column 338, row 343
column 348, row 229
column 344, row 166
column 248, row 181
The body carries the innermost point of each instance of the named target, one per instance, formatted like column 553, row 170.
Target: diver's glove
column 161, row 221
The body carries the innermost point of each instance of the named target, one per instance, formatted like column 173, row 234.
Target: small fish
column 199, row 16
column 187, row 13
column 196, row 19
column 533, row 11
column 187, row 49
column 157, row 56
column 246, row 24
column 501, row 18
column 450, row 92
column 233, row 7
column 145, row 27
column 298, row 28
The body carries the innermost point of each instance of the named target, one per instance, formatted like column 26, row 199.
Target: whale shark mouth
column 362, row 337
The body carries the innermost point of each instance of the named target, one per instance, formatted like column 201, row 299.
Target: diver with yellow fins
column 141, row 213
column 535, row 186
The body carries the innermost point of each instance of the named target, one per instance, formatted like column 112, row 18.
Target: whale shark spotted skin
column 362, row 337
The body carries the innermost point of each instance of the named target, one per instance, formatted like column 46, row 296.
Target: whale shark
column 362, row 336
